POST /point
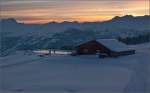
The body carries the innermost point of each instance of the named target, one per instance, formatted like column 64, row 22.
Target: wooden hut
column 111, row 47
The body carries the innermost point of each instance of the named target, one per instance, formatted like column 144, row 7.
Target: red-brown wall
column 92, row 47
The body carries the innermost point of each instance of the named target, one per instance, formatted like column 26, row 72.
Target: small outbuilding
column 110, row 47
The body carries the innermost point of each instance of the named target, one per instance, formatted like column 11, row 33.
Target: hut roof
column 114, row 45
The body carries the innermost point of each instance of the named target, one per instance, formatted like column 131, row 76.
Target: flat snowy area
column 76, row 74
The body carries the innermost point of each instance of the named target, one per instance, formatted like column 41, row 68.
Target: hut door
column 86, row 50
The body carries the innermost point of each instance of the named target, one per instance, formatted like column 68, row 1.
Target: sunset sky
column 43, row 11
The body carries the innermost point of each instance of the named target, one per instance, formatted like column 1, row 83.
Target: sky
column 44, row 11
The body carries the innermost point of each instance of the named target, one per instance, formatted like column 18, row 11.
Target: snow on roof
column 114, row 44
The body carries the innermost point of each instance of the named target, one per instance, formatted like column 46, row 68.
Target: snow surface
column 114, row 45
column 76, row 74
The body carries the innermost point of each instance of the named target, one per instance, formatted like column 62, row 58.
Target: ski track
column 139, row 81
column 140, row 64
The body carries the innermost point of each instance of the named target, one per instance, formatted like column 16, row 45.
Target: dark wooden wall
column 92, row 47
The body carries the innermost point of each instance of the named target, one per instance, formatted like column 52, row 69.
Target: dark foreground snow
column 79, row 74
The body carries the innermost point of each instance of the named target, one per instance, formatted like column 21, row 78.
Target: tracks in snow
column 140, row 79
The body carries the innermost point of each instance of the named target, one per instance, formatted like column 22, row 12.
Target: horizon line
column 74, row 21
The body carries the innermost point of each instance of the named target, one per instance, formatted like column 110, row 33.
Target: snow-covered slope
column 79, row 74
column 16, row 36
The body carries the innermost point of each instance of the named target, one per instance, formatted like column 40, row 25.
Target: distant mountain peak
column 123, row 17
column 128, row 16
column 9, row 21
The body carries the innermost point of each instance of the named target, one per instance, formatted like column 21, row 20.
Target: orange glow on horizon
column 78, row 19
column 70, row 10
